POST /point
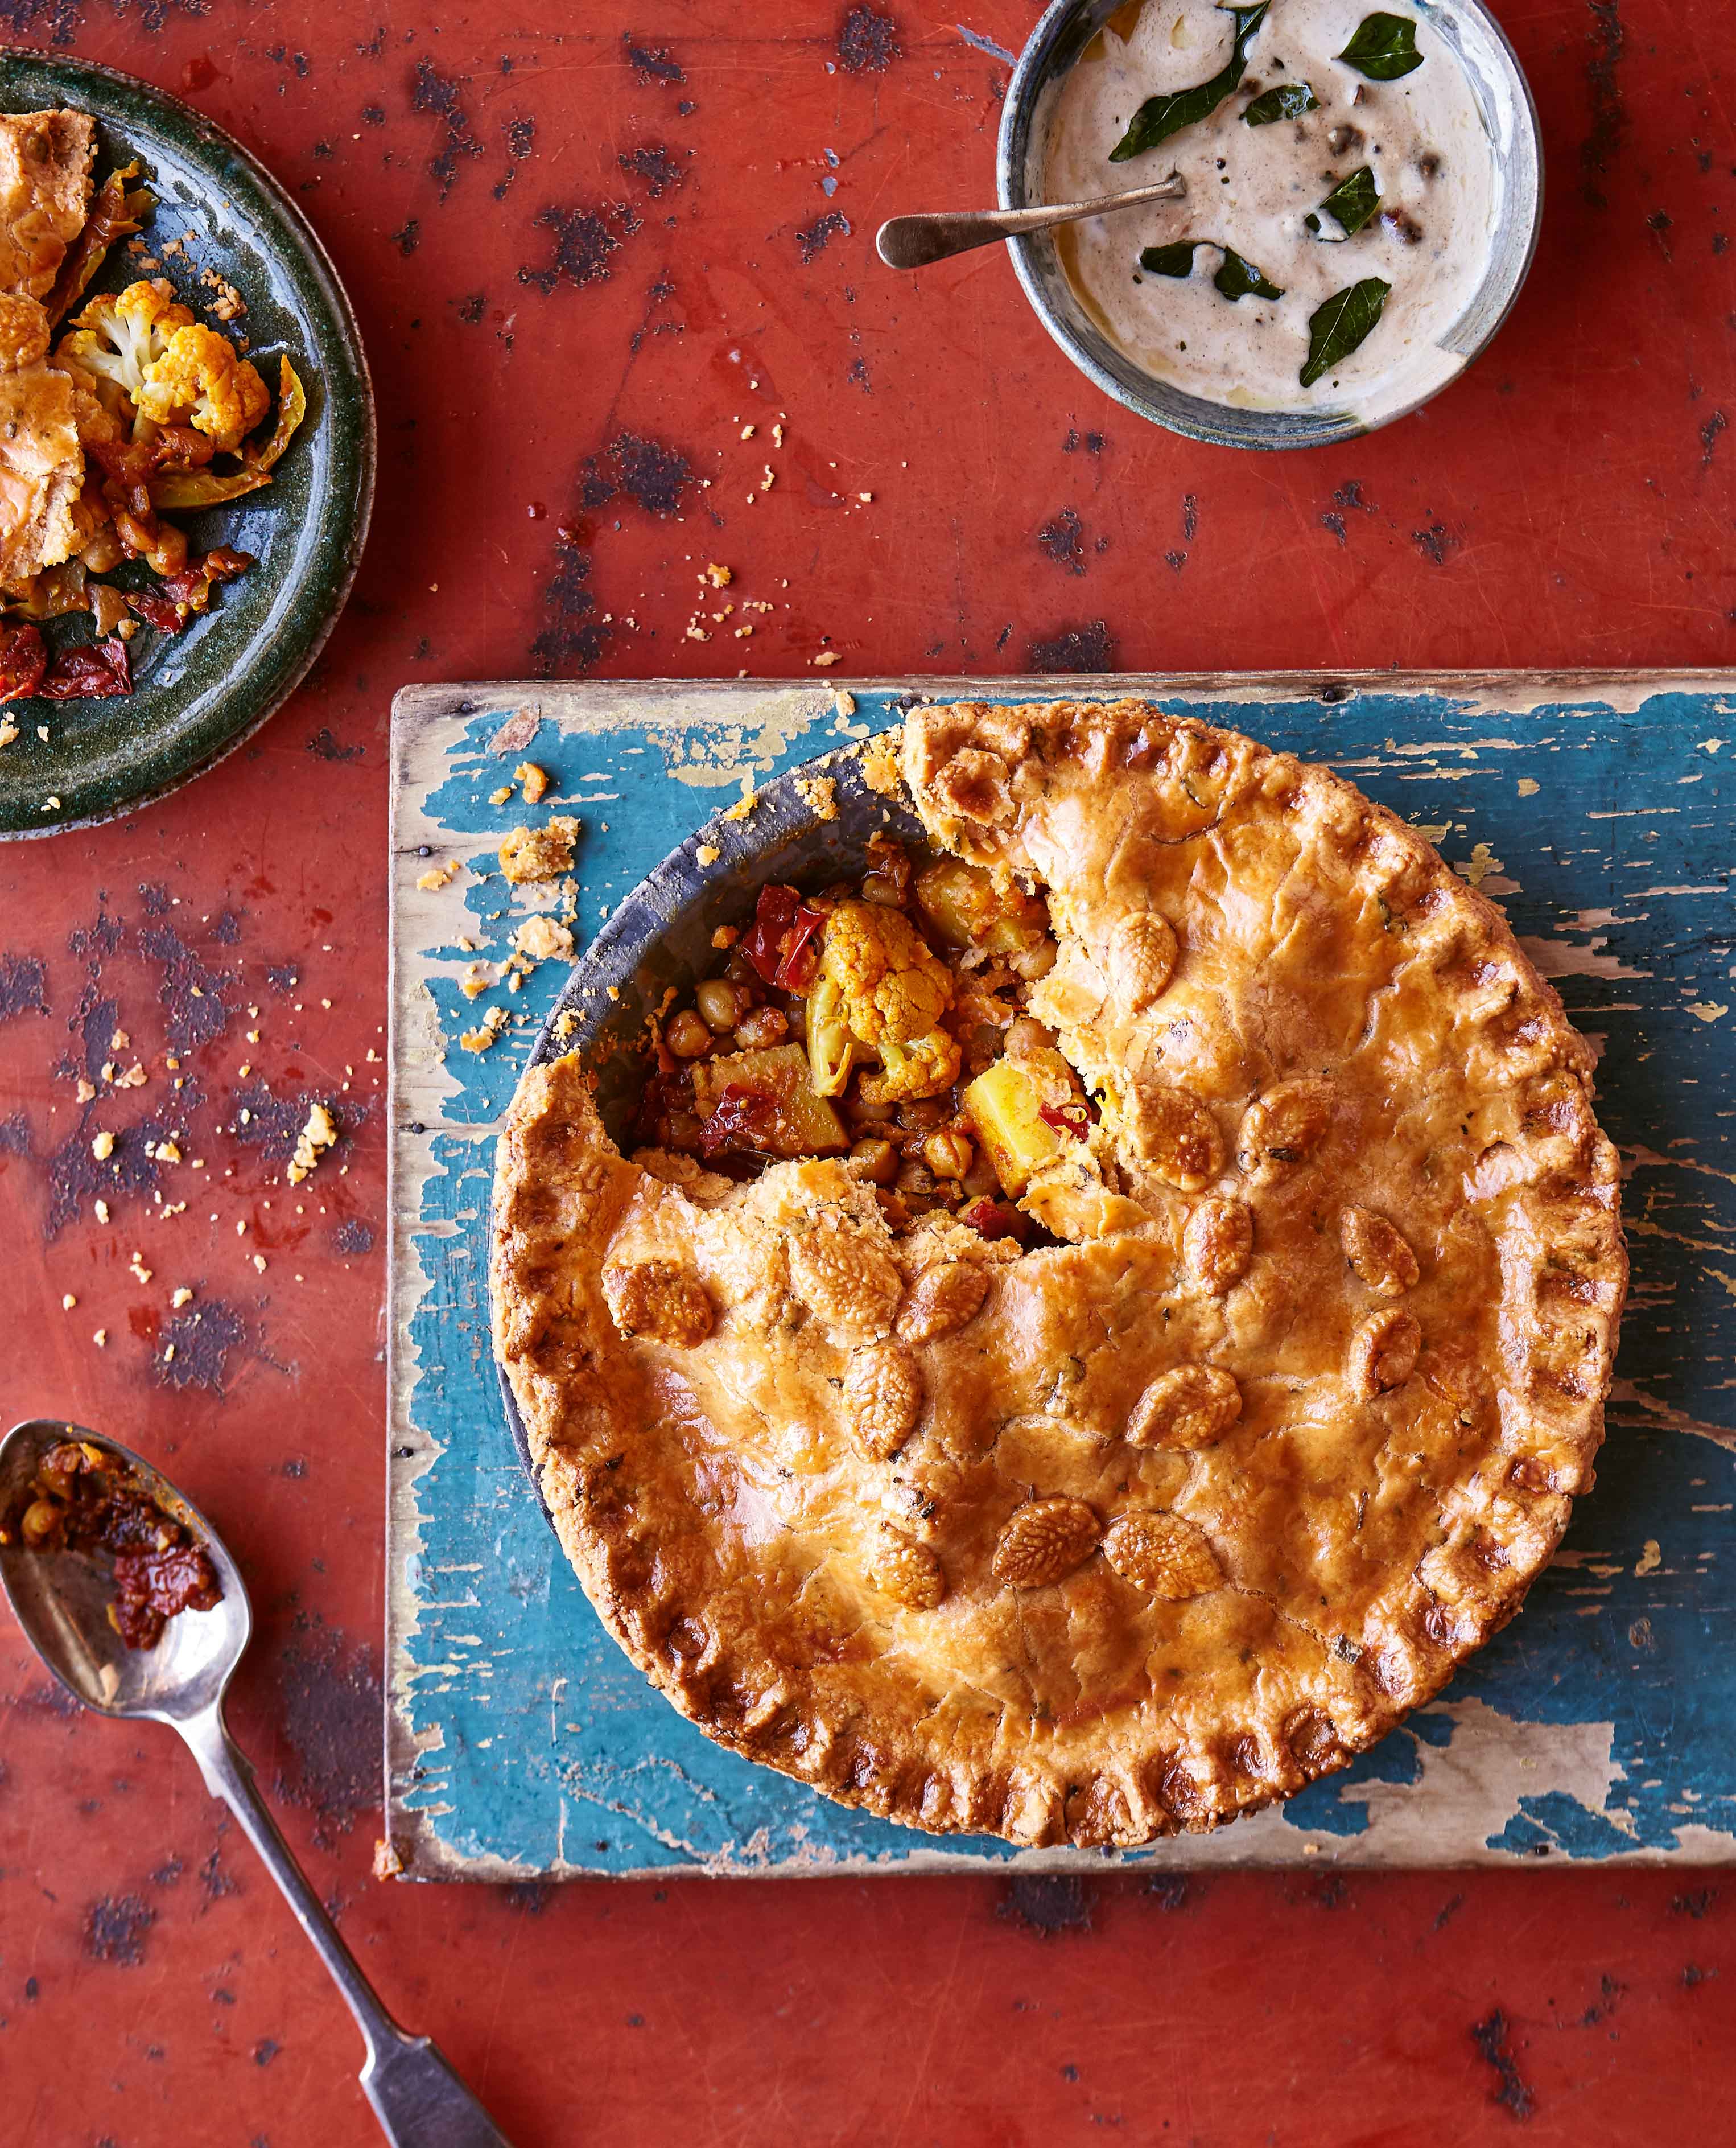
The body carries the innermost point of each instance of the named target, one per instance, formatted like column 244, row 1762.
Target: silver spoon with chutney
column 133, row 1602
column 913, row 242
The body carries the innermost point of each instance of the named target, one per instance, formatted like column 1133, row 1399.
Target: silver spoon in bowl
column 61, row 1599
column 913, row 242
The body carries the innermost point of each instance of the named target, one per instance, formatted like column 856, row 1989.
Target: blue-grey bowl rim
column 1220, row 425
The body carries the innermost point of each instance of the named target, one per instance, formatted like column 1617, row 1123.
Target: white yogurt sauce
column 1250, row 188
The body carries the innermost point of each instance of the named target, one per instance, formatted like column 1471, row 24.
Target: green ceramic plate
column 198, row 694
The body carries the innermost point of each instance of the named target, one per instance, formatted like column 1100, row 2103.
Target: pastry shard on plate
column 42, row 465
column 1109, row 1538
column 45, row 190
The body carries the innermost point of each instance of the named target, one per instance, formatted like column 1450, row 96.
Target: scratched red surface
column 589, row 248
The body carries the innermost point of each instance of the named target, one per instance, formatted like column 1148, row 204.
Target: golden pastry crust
column 926, row 1522
column 42, row 465
column 45, row 189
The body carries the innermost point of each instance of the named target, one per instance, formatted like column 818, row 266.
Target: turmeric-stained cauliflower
column 199, row 380
column 116, row 341
column 880, row 992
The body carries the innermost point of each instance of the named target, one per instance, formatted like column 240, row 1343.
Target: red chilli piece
column 774, row 915
column 23, row 660
column 800, row 950
column 742, row 1118
column 1073, row 1118
column 94, row 671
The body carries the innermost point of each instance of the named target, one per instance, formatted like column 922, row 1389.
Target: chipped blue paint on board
column 1599, row 1725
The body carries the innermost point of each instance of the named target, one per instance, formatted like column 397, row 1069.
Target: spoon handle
column 913, row 242
column 419, row 2100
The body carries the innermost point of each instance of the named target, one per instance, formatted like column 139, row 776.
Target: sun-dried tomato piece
column 994, row 1219
column 159, row 609
column 1072, row 1118
column 23, row 660
column 94, row 671
column 742, row 1118
column 774, row 915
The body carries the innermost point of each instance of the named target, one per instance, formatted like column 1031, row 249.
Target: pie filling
column 888, row 1021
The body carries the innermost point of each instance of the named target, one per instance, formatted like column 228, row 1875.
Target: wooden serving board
column 1599, row 1726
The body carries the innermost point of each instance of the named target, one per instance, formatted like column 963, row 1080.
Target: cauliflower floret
column 924, row 1067
column 200, row 380
column 115, row 341
column 882, row 990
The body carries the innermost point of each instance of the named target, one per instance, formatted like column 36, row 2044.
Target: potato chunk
column 763, row 1102
column 1004, row 1106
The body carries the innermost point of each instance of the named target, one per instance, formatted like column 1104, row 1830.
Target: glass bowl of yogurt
column 1364, row 192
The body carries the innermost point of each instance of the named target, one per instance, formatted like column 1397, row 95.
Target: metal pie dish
column 659, row 939
column 1504, row 96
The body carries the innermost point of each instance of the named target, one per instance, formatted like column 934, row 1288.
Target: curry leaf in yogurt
column 1160, row 117
column 1342, row 325
column 1384, row 48
column 1349, row 205
column 1240, row 279
column 1289, row 100
column 1175, row 260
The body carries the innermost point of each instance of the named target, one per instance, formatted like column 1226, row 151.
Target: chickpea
column 687, row 1036
column 798, row 1019
column 169, row 554
column 42, row 1519
column 923, row 1114
column 982, row 1177
column 948, row 1154
column 721, row 1004
column 875, row 1161
column 760, row 1027
column 1032, row 963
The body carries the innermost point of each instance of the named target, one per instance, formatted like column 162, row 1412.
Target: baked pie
column 1127, row 1321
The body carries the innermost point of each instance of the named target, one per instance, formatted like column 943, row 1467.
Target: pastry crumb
column 879, row 759
column 103, row 1146
column 819, row 794
column 543, row 940
column 318, row 1135
column 532, row 854
column 535, row 781
column 827, row 656
column 707, row 854
column 720, row 578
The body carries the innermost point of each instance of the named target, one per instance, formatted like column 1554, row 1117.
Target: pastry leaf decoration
column 1342, row 325
column 1160, row 117
column 1289, row 100
column 1349, row 205
column 1384, row 48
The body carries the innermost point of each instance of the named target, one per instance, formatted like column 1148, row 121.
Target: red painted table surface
column 589, row 248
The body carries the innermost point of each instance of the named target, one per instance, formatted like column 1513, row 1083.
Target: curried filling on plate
column 138, row 411
column 85, row 1498
column 886, row 1020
